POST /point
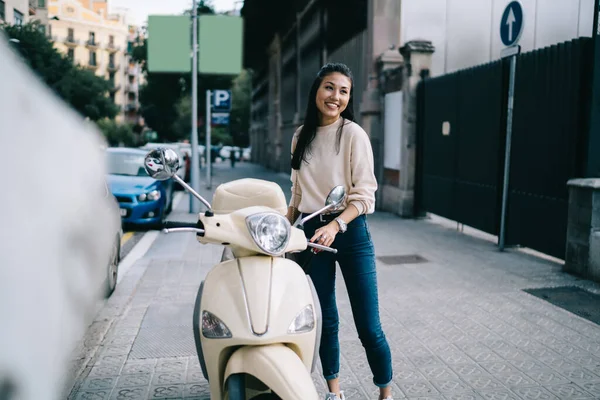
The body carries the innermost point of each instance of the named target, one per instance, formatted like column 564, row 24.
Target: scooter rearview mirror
column 334, row 201
column 161, row 164
column 336, row 197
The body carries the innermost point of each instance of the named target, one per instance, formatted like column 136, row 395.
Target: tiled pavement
column 460, row 325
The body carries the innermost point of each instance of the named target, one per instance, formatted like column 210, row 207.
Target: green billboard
column 169, row 43
column 220, row 44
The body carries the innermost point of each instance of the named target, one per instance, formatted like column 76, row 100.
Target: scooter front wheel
column 236, row 389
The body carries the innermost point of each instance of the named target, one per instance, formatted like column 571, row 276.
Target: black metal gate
column 461, row 141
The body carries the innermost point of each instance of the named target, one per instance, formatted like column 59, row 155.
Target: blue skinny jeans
column 356, row 257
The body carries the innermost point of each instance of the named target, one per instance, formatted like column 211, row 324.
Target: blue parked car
column 142, row 200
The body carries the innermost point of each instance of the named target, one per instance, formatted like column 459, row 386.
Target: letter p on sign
column 222, row 100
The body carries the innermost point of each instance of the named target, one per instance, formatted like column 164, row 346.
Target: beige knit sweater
column 325, row 168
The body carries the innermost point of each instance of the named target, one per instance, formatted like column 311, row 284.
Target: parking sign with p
column 221, row 100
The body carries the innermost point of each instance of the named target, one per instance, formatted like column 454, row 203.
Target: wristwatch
column 342, row 224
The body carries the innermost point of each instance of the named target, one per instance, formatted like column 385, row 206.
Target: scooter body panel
column 257, row 298
column 278, row 367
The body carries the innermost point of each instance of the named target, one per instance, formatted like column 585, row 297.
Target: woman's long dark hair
column 311, row 118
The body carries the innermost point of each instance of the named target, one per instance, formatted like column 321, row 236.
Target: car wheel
column 169, row 207
column 113, row 268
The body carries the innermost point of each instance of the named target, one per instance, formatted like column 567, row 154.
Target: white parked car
column 247, row 154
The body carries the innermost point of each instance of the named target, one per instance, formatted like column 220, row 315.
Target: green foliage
column 241, row 93
column 182, row 127
column 84, row 91
column 219, row 135
column 117, row 134
column 87, row 94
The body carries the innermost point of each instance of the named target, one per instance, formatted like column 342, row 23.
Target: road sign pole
column 195, row 172
column 509, row 120
column 208, row 146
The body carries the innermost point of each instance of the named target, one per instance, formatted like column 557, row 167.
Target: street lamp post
column 195, row 173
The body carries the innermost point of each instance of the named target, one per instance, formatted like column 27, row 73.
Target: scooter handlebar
column 321, row 247
column 176, row 226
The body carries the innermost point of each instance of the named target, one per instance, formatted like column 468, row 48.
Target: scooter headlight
column 270, row 231
column 304, row 321
column 213, row 327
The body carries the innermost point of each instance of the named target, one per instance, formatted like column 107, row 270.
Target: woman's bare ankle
column 385, row 392
column 334, row 386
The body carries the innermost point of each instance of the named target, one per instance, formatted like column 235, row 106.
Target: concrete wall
column 467, row 32
column 583, row 229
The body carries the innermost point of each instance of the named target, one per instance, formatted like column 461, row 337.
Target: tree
column 117, row 134
column 84, row 91
column 241, row 93
column 87, row 94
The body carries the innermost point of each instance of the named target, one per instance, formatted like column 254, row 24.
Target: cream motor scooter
column 257, row 317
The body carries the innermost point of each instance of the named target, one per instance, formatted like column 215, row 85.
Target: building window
column 71, row 54
column 92, row 57
column 111, row 78
column 92, row 38
column 71, row 34
column 18, row 17
column 49, row 30
column 42, row 29
column 112, row 97
column 111, row 40
column 2, row 10
column 111, row 59
column 41, row 3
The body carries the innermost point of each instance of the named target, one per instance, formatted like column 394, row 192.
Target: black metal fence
column 462, row 133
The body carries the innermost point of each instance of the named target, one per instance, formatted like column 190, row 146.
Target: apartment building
column 134, row 80
column 94, row 39
column 14, row 12
column 38, row 11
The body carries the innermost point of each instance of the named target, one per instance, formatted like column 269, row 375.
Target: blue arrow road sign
column 511, row 25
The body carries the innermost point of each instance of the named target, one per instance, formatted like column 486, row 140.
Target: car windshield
column 125, row 164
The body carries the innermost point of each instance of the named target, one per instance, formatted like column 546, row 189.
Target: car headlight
column 150, row 196
column 213, row 327
column 270, row 231
column 304, row 321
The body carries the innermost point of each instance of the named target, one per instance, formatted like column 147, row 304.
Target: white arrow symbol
column 510, row 21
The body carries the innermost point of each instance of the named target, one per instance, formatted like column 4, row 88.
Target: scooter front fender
column 278, row 367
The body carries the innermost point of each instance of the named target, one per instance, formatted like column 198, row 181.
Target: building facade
column 14, row 12
column 286, row 44
column 467, row 32
column 134, row 79
column 91, row 37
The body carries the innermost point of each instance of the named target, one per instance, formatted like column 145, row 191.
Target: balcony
column 112, row 48
column 133, row 70
column 70, row 41
column 92, row 64
column 132, row 106
column 114, row 88
column 92, row 44
column 113, row 67
column 131, row 88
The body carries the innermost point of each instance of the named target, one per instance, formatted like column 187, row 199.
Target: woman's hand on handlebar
column 325, row 235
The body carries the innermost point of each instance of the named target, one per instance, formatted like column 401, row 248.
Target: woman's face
column 332, row 97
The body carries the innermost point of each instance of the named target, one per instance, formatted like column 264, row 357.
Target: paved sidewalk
column 459, row 323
